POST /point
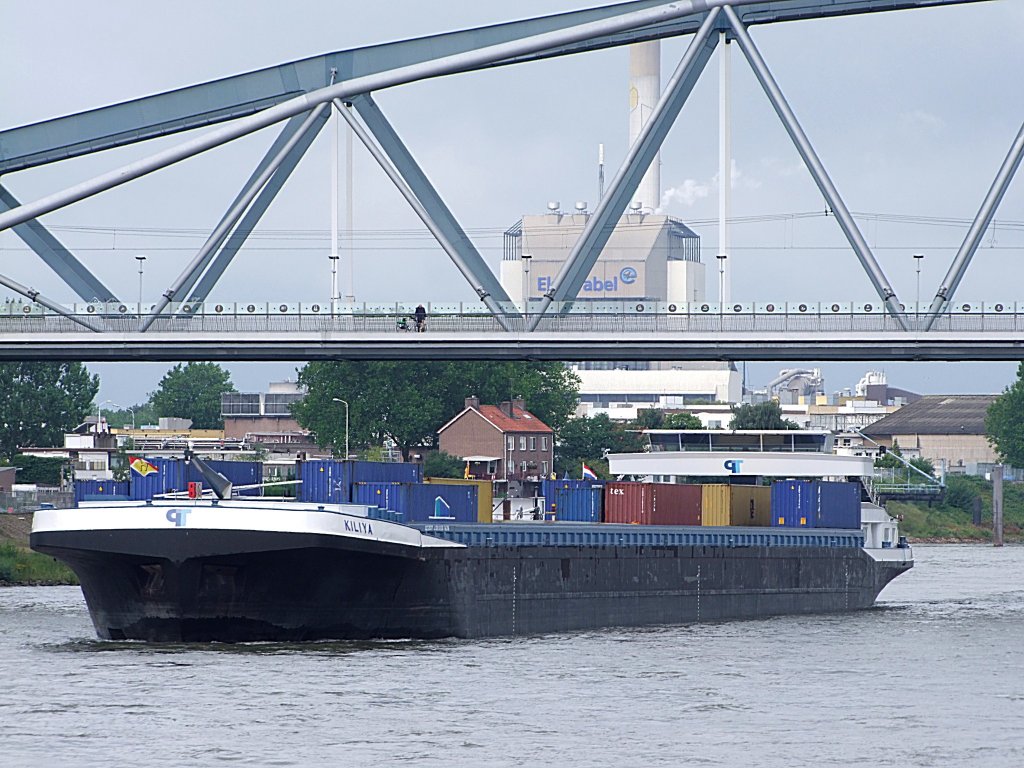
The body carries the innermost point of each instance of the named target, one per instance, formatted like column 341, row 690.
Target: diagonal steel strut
column 400, row 166
column 56, row 256
column 233, row 242
column 286, row 133
column 438, row 216
column 963, row 257
column 814, row 165
column 37, row 297
column 241, row 203
column 601, row 224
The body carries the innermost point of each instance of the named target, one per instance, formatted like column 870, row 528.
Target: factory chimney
column 644, row 92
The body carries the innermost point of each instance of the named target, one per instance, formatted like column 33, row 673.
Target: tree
column 441, row 464
column 682, row 421
column 193, row 392
column 39, row 402
column 409, row 401
column 586, row 440
column 649, row 418
column 766, row 415
column 1004, row 422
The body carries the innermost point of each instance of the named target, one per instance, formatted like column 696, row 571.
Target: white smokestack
column 644, row 92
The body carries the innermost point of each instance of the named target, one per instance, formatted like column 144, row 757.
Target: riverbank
column 19, row 565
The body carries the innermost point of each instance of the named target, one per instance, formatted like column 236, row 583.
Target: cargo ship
column 236, row 569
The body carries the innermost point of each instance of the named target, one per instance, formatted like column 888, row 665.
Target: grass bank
column 19, row 565
column 952, row 520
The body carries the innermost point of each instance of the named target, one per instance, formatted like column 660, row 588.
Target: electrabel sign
column 594, row 284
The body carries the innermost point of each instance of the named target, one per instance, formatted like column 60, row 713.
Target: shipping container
column 99, row 490
column 579, row 501
column 238, row 472
column 484, row 495
column 166, row 476
column 330, row 482
column 652, row 503
column 418, row 502
column 837, row 505
column 815, row 504
column 715, row 504
column 750, row 505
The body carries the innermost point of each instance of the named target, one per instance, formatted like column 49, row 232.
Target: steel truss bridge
column 606, row 331
column 300, row 96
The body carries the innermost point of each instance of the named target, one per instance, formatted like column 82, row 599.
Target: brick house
column 500, row 442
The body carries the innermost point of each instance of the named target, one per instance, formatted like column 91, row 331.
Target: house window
column 544, row 468
column 522, row 442
column 522, row 466
column 543, row 442
column 492, row 467
column 511, row 443
column 533, row 443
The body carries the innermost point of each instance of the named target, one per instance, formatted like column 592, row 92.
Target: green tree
column 1004, row 422
column 42, row 470
column 766, row 415
column 682, row 421
column 193, row 392
column 441, row 464
column 39, row 402
column 586, row 440
column 649, row 418
column 409, row 401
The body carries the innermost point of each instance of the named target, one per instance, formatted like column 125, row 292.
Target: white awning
column 481, row 458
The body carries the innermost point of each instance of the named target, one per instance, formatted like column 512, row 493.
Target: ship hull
column 233, row 586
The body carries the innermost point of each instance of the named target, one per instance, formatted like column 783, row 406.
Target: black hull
column 235, row 586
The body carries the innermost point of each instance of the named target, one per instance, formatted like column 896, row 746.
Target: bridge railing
column 611, row 317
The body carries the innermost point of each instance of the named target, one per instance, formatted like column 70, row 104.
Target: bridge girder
column 245, row 94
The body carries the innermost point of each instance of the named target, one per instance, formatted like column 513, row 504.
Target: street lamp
column 721, row 281
column 917, row 300
column 526, row 258
column 345, row 403
column 141, row 260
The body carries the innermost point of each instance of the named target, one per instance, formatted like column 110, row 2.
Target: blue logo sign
column 627, row 275
column 733, row 465
column 177, row 516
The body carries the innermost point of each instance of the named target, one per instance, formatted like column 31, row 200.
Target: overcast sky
column 911, row 113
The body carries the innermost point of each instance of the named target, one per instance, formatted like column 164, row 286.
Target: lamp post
column 721, row 281
column 917, row 299
column 526, row 258
column 345, row 403
column 141, row 259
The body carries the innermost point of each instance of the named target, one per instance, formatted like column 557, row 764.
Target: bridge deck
column 284, row 336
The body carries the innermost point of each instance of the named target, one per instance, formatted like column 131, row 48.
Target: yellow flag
column 140, row 465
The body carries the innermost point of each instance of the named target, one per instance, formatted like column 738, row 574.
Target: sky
column 911, row 112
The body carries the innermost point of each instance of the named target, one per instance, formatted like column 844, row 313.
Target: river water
column 932, row 676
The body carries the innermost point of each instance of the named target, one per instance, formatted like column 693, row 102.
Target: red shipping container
column 675, row 504
column 627, row 503
column 652, row 504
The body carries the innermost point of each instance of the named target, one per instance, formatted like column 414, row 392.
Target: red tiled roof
column 524, row 421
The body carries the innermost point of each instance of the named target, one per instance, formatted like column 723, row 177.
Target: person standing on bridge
column 420, row 315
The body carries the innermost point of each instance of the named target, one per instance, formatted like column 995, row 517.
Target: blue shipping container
column 238, row 472
column 815, row 504
column 579, row 501
column 95, row 490
column 420, row 503
column 330, row 482
column 169, row 477
column 838, row 505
